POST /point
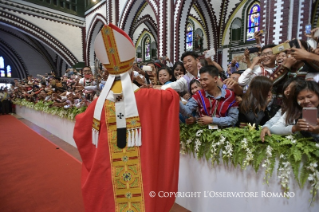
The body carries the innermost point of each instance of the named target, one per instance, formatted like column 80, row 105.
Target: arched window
column 1, row 63
column 8, row 71
column 189, row 37
column 2, row 71
column 147, row 48
column 253, row 20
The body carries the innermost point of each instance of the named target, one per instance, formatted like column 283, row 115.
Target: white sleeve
column 246, row 77
column 273, row 120
column 280, row 127
column 179, row 85
column 90, row 88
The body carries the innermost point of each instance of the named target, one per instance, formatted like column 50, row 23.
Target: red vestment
column 159, row 153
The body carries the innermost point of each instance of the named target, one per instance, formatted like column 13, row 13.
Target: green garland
column 240, row 146
column 243, row 147
column 46, row 107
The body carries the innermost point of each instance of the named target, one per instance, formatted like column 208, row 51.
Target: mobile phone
column 280, row 48
column 310, row 115
column 308, row 29
column 147, row 69
column 210, row 54
column 253, row 50
column 294, row 43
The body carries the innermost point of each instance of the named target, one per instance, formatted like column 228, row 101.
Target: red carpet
column 34, row 175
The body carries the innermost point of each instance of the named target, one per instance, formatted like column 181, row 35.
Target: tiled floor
column 72, row 150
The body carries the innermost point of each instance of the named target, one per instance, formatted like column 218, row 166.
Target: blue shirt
column 229, row 120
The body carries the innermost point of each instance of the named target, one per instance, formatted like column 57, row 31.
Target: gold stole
column 125, row 163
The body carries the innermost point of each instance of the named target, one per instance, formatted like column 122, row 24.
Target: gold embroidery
column 126, row 166
column 115, row 66
column 96, row 124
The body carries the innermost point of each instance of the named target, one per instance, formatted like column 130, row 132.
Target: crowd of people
column 270, row 94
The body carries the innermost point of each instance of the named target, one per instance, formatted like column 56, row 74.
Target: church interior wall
column 66, row 34
column 90, row 17
column 165, row 22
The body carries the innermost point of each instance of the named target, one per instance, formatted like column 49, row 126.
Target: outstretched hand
column 265, row 131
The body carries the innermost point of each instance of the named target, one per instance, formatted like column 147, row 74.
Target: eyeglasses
column 266, row 54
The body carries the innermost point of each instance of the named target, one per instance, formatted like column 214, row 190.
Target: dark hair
column 285, row 100
column 293, row 111
column 87, row 67
column 210, row 69
column 174, row 67
column 189, row 53
column 191, row 83
column 203, row 62
column 255, row 99
column 268, row 46
column 163, row 68
column 237, row 72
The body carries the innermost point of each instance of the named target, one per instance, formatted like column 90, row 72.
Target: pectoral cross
column 120, row 115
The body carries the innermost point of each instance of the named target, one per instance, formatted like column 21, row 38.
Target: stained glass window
column 147, row 49
column 189, row 38
column 253, row 21
column 8, row 71
column 1, row 62
column 4, row 72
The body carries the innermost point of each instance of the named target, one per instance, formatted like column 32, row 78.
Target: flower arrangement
column 46, row 107
column 243, row 147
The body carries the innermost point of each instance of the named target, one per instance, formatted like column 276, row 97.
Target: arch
column 211, row 23
column 146, row 47
column 96, row 25
column 37, row 46
column 235, row 27
column 241, row 4
column 39, row 34
column 139, row 41
column 149, row 22
column 127, row 17
column 181, row 12
column 16, row 59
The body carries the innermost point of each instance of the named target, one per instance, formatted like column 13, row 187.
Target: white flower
column 310, row 178
column 197, row 144
column 290, row 137
column 286, row 164
column 188, row 141
column 222, row 139
column 268, row 151
column 317, row 145
column 263, row 165
column 293, row 141
column 199, row 133
column 281, row 156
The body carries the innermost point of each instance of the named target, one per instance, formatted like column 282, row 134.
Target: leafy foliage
column 296, row 153
column 47, row 107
